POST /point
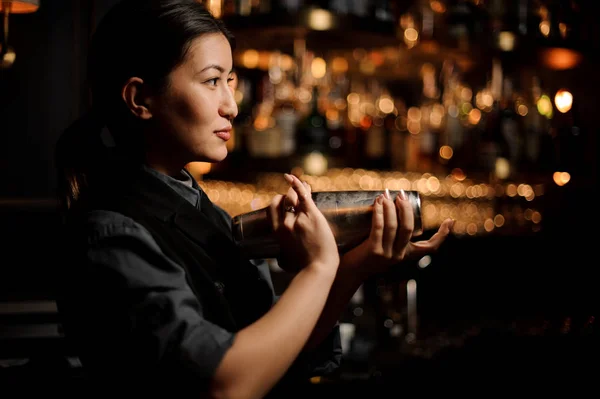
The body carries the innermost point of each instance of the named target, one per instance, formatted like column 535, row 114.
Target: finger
column 305, row 201
column 308, row 187
column 289, row 216
column 406, row 223
column 290, row 198
column 273, row 213
column 390, row 226
column 422, row 248
column 290, row 205
column 288, row 208
column 377, row 223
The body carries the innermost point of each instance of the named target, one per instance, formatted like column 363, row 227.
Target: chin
column 221, row 157
column 215, row 157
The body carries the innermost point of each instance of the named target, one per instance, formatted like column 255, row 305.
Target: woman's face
column 192, row 119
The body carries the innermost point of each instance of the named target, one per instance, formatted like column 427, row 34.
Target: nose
column 228, row 107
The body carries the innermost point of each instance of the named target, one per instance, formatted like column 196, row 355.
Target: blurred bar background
column 486, row 107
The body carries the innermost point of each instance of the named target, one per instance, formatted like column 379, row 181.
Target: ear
column 135, row 95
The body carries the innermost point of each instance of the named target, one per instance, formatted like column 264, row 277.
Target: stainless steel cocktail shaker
column 349, row 214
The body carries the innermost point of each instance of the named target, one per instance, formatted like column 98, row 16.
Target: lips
column 224, row 133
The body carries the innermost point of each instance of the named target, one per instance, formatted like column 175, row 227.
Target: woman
column 155, row 291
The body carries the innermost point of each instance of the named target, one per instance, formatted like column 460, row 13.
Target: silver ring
column 290, row 208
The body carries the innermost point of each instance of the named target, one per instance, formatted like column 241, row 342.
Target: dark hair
column 143, row 38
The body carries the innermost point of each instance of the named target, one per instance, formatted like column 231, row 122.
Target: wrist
column 357, row 264
column 322, row 270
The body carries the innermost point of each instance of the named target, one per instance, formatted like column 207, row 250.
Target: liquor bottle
column 313, row 134
column 349, row 214
column 286, row 117
column 494, row 149
column 539, row 142
column 511, row 125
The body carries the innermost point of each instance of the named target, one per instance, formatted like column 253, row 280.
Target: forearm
column 263, row 352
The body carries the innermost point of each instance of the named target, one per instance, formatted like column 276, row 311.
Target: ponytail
column 80, row 154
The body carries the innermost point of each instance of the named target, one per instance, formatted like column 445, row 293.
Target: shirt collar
column 185, row 185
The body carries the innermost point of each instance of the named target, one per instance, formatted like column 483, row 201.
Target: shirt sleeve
column 132, row 309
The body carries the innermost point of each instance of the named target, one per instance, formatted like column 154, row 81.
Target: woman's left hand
column 389, row 242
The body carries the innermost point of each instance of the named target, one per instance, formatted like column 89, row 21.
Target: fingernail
column 288, row 177
column 402, row 195
column 387, row 194
column 378, row 202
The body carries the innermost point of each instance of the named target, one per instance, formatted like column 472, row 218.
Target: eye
column 232, row 81
column 213, row 81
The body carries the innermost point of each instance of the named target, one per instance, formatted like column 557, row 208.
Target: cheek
column 194, row 111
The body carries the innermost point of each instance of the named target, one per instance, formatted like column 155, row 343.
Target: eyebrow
column 217, row 67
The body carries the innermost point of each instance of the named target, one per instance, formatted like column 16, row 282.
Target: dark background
column 527, row 300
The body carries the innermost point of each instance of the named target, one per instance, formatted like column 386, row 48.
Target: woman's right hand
column 304, row 234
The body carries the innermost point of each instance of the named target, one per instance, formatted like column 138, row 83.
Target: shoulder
column 113, row 245
column 97, row 225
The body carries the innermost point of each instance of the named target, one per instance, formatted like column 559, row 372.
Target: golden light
column 545, row 28
column 499, row 220
column 437, row 6
column 8, row 57
column 214, row 6
column 377, row 58
column 250, row 59
column 264, row 60
column 261, row 122
column 563, row 29
column 8, row 7
column 19, row 6
column 472, row 205
column 506, row 41
column 466, row 94
column 446, row 152
column 522, row 109
column 339, row 65
column 563, row 100
column 320, row 19
column 544, row 106
column 413, row 127
column 332, row 114
column 238, row 96
column 315, row 164
column 367, row 66
column 559, row 58
column 198, row 169
column 386, row 104
column 474, row 116
column 411, row 34
column 502, row 169
column 561, row 178
column 458, row 174
column 286, row 62
column 318, row 67
column 414, row 114
column 436, row 116
column 353, row 98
